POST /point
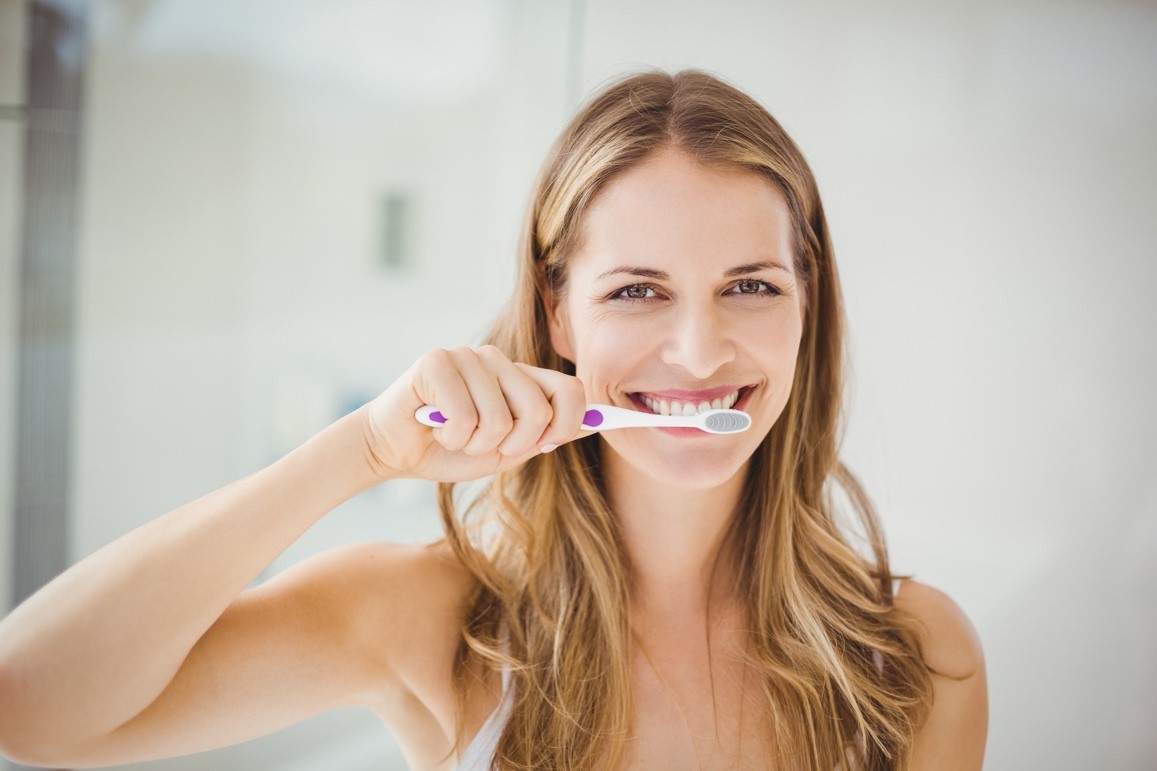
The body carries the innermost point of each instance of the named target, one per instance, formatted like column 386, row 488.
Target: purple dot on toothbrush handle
column 437, row 417
column 593, row 419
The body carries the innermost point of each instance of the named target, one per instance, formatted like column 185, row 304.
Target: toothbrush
column 603, row 417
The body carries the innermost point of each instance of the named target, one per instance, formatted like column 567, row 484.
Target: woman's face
column 683, row 293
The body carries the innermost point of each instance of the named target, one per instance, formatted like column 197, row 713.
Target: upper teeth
column 673, row 407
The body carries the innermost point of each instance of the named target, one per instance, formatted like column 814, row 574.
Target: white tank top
column 480, row 751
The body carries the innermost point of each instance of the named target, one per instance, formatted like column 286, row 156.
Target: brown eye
column 752, row 286
column 635, row 292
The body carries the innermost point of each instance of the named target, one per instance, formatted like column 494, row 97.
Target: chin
column 678, row 465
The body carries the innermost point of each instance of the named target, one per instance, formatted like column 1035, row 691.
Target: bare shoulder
column 949, row 640
column 406, row 600
column 415, row 600
column 955, row 733
column 417, row 573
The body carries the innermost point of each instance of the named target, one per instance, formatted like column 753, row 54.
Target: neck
column 674, row 540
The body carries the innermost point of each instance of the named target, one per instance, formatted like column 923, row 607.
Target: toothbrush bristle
column 727, row 422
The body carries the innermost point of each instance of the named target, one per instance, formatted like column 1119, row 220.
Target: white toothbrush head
column 726, row 421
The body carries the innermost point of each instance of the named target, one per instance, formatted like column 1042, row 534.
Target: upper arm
column 956, row 729
column 314, row 638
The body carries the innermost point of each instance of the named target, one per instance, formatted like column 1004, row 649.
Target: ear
column 559, row 324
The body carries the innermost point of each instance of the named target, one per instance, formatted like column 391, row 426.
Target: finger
column 529, row 406
column 568, row 403
column 439, row 381
column 494, row 418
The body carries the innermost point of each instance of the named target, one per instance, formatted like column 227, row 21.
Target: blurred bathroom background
column 225, row 224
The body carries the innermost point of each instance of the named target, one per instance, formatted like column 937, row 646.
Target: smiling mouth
column 661, row 406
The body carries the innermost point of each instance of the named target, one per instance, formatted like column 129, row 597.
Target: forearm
column 100, row 642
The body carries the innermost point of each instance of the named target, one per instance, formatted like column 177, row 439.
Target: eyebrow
column 738, row 270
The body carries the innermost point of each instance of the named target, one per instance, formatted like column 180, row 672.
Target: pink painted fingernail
column 547, row 447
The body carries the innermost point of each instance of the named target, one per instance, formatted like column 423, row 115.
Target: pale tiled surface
column 987, row 172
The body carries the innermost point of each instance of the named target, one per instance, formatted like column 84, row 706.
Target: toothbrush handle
column 602, row 417
column 598, row 417
column 428, row 415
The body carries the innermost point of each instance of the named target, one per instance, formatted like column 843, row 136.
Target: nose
column 699, row 341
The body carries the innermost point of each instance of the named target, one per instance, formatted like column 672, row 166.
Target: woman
column 630, row 599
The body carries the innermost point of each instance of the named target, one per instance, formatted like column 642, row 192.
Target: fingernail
column 547, row 447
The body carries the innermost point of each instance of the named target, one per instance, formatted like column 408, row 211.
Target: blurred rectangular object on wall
column 396, row 231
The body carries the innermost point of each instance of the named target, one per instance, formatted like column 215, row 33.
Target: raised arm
column 93, row 648
column 150, row 647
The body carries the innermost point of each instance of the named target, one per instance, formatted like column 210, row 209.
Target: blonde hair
column 839, row 665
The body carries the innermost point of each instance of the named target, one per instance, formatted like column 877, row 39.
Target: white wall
column 987, row 171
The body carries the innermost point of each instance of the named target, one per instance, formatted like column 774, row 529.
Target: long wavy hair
column 840, row 670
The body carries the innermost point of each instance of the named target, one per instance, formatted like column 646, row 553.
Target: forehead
column 672, row 212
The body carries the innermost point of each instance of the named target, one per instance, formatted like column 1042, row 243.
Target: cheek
column 782, row 343
column 609, row 347
column 779, row 333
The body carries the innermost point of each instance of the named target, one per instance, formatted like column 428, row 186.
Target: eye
column 635, row 293
column 751, row 286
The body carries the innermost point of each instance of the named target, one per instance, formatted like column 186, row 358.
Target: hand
column 499, row 414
